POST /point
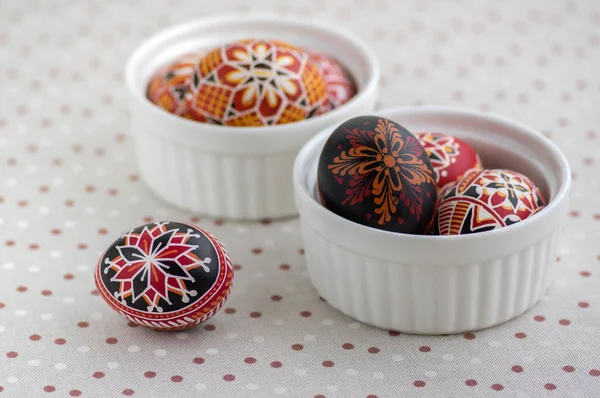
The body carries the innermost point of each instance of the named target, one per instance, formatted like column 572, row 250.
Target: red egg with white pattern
column 451, row 157
column 486, row 200
column 338, row 82
column 168, row 87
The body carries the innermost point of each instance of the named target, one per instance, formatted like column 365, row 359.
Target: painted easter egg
column 375, row 172
column 256, row 83
column 339, row 84
column 450, row 157
column 165, row 275
column 170, row 84
column 486, row 200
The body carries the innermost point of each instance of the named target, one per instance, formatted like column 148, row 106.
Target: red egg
column 168, row 87
column 256, row 83
column 486, row 200
column 338, row 82
column 450, row 157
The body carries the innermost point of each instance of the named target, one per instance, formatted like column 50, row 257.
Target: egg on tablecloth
column 375, row 172
column 339, row 84
column 450, row 157
column 256, row 83
column 165, row 275
column 169, row 86
column 486, row 200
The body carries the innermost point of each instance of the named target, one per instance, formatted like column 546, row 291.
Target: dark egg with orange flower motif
column 375, row 172
column 256, row 83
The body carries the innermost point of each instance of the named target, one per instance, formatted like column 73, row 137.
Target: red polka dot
column 276, row 364
column 276, row 297
column 568, row 368
column 49, row 388
column 284, row 267
column 22, row 289
column 250, row 360
column 128, row 392
column 198, row 360
column 301, row 252
column 69, row 276
column 419, row 383
column 230, row 311
column 539, row 318
column 237, row 267
column 35, row 337
column 257, row 250
column 132, row 324
column 373, row 350
column 393, row 333
column 98, row 375
column 2, row 305
column 583, row 304
column 229, row 377
column 150, row 375
column 471, row 383
column 305, row 314
column 517, row 369
column 348, row 346
column 75, row 393
column 46, row 292
column 111, row 340
column 497, row 387
column 319, row 396
column 255, row 314
column 424, row 348
column 60, row 341
column 564, row 322
column 210, row 328
column 585, row 274
column 328, row 364
column 12, row 354
column 550, row 386
column 176, row 379
column 520, row 335
column 83, row 324
column 594, row 372
column 297, row 347
column 469, row 336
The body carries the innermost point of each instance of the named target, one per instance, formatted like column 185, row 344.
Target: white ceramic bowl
column 234, row 172
column 439, row 284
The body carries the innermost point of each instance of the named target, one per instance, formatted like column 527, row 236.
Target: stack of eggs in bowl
column 375, row 172
column 251, row 82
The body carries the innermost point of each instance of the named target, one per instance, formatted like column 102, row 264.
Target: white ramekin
column 439, row 284
column 234, row 172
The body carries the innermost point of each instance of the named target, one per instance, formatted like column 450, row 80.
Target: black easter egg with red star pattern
column 375, row 172
column 165, row 275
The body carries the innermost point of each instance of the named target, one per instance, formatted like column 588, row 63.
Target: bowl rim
column 564, row 178
column 289, row 22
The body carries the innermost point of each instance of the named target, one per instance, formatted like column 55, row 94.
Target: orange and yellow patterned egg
column 256, row 83
column 339, row 84
column 169, row 85
column 485, row 200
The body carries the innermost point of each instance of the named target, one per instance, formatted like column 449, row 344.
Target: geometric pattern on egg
column 486, row 200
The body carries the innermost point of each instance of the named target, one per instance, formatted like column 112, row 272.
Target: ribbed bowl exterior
column 429, row 300
column 232, row 186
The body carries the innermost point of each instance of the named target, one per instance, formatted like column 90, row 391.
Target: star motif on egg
column 154, row 264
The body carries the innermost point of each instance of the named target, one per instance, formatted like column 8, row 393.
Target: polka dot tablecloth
column 69, row 186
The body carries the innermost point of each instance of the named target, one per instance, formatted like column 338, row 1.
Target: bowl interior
column 208, row 33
